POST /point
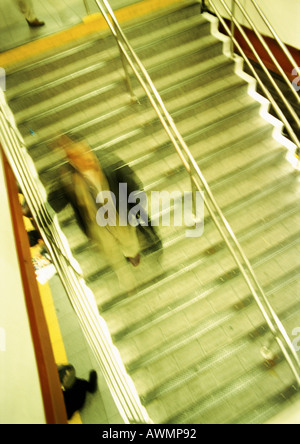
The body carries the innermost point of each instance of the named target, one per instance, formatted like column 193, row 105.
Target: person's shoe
column 35, row 23
column 135, row 261
column 93, row 381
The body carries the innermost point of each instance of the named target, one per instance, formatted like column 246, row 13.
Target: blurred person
column 75, row 389
column 82, row 178
column 26, row 8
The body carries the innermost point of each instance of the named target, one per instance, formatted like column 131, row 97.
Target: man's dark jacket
column 116, row 172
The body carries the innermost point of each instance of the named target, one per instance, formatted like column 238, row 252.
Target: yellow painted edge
column 58, row 347
column 143, row 8
column 51, row 42
column 91, row 24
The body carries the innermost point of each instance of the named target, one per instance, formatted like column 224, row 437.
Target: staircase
column 190, row 334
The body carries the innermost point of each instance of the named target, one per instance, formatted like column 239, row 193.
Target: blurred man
column 26, row 8
column 81, row 180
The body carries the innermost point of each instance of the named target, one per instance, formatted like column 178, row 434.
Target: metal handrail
column 276, row 63
column 285, row 50
column 92, row 324
column 197, row 179
column 230, row 31
column 277, row 38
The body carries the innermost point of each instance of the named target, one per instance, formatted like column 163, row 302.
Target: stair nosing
column 144, row 323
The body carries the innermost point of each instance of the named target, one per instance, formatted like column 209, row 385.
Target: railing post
column 233, row 5
column 115, row 31
column 86, row 7
column 133, row 97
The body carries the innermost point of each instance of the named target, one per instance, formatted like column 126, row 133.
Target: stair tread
column 115, row 91
column 90, row 118
column 90, row 56
column 205, row 356
column 167, row 324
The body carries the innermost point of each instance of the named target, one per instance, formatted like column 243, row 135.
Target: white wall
column 20, row 400
column 284, row 16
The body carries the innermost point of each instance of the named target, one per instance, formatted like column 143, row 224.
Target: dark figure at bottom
column 75, row 389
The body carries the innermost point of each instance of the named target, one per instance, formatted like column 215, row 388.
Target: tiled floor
column 57, row 14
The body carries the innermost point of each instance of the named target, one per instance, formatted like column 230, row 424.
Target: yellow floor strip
column 49, row 43
column 58, row 347
column 91, row 25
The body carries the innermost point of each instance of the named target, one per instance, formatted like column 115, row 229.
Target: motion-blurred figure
column 26, row 8
column 82, row 178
